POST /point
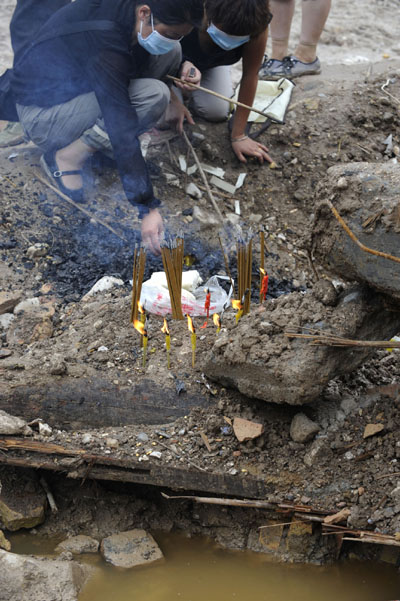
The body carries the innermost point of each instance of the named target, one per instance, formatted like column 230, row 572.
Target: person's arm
column 108, row 72
column 242, row 145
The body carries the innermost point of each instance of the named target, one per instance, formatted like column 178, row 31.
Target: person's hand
column 152, row 228
column 176, row 114
column 189, row 73
column 245, row 146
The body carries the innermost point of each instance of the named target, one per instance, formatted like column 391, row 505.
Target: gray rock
column 325, row 292
column 29, row 578
column 142, row 437
column 22, row 499
column 78, row 544
column 372, row 194
column 27, row 306
column 11, row 425
column 58, row 367
column 302, row 428
column 130, row 549
column 348, row 405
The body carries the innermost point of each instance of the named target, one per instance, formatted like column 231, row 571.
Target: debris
column 240, row 180
column 156, row 454
column 182, row 163
column 246, row 430
column 223, row 185
column 142, row 437
column 303, row 429
column 372, row 429
column 44, row 429
column 49, row 495
column 28, row 305
column 217, row 171
column 105, row 283
column 37, row 250
column 237, row 207
column 341, row 516
column 193, row 191
column 204, row 438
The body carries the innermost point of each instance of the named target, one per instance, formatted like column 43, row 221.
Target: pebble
column 142, row 437
column 156, row 454
column 342, row 183
column 87, row 439
column 112, row 443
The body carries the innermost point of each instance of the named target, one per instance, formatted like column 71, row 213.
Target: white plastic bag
column 155, row 299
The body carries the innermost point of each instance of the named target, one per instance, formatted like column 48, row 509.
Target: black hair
column 173, row 12
column 239, row 17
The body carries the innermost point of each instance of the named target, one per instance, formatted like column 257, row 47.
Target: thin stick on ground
column 332, row 340
column 77, row 206
column 377, row 253
column 203, row 176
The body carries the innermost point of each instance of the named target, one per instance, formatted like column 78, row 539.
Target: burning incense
column 237, row 304
column 191, row 329
column 172, row 257
column 244, row 265
column 217, row 322
column 139, row 263
column 165, row 331
column 142, row 319
column 226, row 261
column 140, row 327
column 207, row 305
column 264, row 284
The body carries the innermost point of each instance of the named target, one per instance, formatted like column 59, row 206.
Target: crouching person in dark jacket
column 92, row 82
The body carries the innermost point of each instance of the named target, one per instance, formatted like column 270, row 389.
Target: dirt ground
column 341, row 116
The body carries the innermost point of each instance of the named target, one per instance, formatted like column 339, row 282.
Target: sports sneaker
column 11, row 135
column 271, row 69
column 289, row 67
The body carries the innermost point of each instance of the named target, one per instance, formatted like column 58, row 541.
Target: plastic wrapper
column 155, row 299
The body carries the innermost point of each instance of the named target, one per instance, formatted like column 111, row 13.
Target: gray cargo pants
column 56, row 127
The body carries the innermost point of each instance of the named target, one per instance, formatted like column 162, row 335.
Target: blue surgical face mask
column 155, row 43
column 224, row 40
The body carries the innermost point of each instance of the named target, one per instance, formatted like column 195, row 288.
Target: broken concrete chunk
column 281, row 370
column 78, row 545
column 372, row 429
column 246, row 430
column 9, row 300
column 37, row 250
column 217, row 171
column 302, row 428
column 130, row 549
column 11, row 425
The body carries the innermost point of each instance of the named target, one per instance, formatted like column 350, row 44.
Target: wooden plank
column 80, row 465
column 74, row 403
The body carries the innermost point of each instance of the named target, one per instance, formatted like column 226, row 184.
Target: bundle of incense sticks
column 172, row 257
column 244, row 265
column 139, row 263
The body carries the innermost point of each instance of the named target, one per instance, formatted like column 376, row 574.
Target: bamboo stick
column 331, row 340
column 203, row 176
column 377, row 253
column 77, row 206
column 230, row 100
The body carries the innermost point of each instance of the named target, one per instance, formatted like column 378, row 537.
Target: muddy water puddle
column 197, row 570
